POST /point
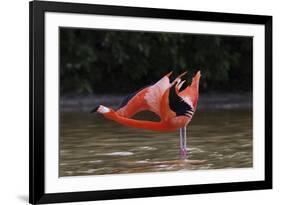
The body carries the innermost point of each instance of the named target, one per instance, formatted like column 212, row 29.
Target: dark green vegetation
column 115, row 62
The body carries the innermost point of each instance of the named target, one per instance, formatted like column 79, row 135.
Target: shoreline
column 207, row 101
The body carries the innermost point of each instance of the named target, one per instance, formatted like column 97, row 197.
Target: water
column 92, row 145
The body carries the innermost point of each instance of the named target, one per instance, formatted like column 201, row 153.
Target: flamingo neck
column 141, row 124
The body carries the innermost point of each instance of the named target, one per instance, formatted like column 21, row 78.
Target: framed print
column 140, row 102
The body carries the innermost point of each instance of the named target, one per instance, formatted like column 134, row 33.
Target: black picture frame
column 37, row 194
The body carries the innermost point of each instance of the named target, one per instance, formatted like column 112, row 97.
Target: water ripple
column 116, row 154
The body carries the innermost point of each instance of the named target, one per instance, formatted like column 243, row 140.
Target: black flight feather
column 178, row 105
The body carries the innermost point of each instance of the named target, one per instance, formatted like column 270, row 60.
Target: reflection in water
column 91, row 145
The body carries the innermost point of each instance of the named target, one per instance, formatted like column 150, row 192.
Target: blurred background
column 92, row 61
column 101, row 66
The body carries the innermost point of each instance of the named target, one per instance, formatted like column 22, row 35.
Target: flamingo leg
column 181, row 145
column 184, row 143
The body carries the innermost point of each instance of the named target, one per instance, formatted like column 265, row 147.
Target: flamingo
column 174, row 106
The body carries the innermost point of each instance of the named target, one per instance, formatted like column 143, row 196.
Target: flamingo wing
column 182, row 106
column 133, row 103
column 147, row 98
column 174, row 106
column 177, row 103
column 190, row 93
column 154, row 94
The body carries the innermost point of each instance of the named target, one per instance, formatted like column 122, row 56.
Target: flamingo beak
column 95, row 109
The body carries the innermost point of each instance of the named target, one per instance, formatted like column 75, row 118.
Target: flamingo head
column 101, row 109
column 105, row 111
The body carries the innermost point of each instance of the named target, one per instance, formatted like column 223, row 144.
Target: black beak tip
column 95, row 109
